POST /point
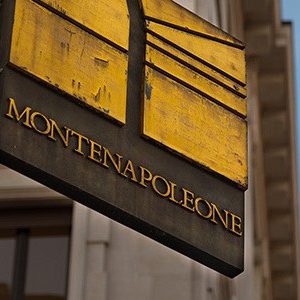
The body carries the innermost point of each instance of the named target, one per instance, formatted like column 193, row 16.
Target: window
column 34, row 253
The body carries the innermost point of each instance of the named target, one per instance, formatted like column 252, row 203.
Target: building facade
column 52, row 248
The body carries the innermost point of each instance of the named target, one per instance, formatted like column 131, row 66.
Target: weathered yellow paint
column 226, row 58
column 170, row 12
column 63, row 55
column 194, row 127
column 211, row 73
column 195, row 90
column 197, row 81
column 105, row 17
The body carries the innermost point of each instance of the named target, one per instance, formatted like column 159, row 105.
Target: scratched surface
column 69, row 59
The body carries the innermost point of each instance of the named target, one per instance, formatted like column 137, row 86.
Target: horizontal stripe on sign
column 196, row 81
column 198, row 66
column 230, row 61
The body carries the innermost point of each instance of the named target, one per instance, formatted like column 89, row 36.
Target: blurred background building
column 53, row 248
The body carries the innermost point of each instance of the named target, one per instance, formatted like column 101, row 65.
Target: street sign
column 135, row 109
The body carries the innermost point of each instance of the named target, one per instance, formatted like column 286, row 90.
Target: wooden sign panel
column 141, row 118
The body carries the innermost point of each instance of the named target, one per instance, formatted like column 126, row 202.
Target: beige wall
column 112, row 262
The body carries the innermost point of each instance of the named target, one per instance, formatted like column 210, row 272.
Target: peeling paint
column 148, row 90
column 98, row 95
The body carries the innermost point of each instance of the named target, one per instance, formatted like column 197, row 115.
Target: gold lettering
column 101, row 155
column 129, row 168
column 172, row 197
column 117, row 165
column 188, row 203
column 64, row 137
column 236, row 225
column 224, row 219
column 14, row 114
column 47, row 128
column 162, row 179
column 80, row 138
column 146, row 175
column 197, row 207
column 95, row 152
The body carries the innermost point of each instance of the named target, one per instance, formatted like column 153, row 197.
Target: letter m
column 13, row 113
